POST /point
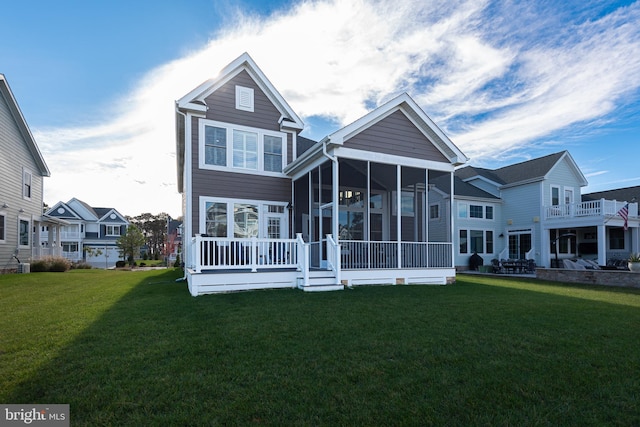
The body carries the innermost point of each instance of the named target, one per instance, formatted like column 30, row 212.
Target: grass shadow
column 472, row 353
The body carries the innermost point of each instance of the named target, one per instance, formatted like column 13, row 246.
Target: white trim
column 229, row 128
column 484, row 240
column 351, row 153
column 415, row 114
column 27, row 173
column 29, row 226
column 483, row 205
column 263, row 212
column 194, row 100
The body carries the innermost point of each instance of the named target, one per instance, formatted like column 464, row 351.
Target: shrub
column 177, row 263
column 81, row 265
column 38, row 266
column 55, row 264
column 120, row 264
column 142, row 264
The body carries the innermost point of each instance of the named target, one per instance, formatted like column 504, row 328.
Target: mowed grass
column 134, row 348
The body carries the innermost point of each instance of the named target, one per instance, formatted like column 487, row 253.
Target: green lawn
column 134, row 348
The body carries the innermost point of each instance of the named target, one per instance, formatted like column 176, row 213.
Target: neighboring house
column 22, row 169
column 534, row 210
column 264, row 207
column 90, row 234
column 173, row 246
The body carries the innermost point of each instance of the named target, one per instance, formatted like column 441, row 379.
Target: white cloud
column 491, row 89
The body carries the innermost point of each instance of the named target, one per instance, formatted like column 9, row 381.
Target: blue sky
column 507, row 81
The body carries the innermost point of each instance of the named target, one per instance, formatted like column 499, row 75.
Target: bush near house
column 53, row 264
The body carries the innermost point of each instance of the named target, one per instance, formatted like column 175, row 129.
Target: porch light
column 5, row 206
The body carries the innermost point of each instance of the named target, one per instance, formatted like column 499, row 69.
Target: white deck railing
column 592, row 208
column 358, row 254
column 212, row 253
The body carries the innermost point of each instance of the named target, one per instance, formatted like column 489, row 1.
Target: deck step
column 319, row 281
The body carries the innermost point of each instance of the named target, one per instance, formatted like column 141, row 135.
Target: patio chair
column 495, row 266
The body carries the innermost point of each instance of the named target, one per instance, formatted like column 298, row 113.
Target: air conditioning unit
column 24, row 267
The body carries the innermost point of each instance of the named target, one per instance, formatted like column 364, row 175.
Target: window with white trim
column 244, row 98
column 480, row 241
column 215, row 146
column 467, row 210
column 23, row 232
column 245, row 150
column 228, row 147
column 555, row 196
column 434, row 211
column 237, row 218
column 27, row 178
column 272, row 153
column 112, row 230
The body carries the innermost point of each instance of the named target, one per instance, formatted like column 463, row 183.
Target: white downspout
column 188, row 196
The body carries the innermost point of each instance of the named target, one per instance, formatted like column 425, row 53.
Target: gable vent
column 244, row 98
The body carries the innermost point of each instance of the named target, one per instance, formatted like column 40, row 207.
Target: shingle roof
column 622, row 194
column 518, row 172
column 303, row 144
column 460, row 187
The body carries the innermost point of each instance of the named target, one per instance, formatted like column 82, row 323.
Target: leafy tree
column 154, row 230
column 130, row 242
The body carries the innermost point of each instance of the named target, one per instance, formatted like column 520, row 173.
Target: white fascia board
column 23, row 127
column 572, row 165
column 415, row 114
column 243, row 62
column 350, row 153
column 302, row 162
column 478, row 199
column 482, row 178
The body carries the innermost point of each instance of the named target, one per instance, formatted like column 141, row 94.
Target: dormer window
column 244, row 98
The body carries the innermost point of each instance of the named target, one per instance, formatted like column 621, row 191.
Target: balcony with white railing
column 593, row 208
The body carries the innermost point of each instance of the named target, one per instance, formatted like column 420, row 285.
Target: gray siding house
column 537, row 213
column 22, row 169
column 86, row 234
column 267, row 208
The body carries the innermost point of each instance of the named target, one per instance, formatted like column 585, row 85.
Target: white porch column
column 635, row 239
column 399, row 214
column 545, row 254
column 602, row 245
column 334, row 208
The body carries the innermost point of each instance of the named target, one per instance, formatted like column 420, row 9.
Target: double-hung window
column 26, row 184
column 245, row 150
column 224, row 146
column 272, row 153
column 215, row 146
column 112, row 230
column 23, row 232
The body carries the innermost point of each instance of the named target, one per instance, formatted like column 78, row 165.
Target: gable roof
column 195, row 100
column 627, row 194
column 461, row 188
column 5, row 91
column 528, row 171
column 415, row 114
